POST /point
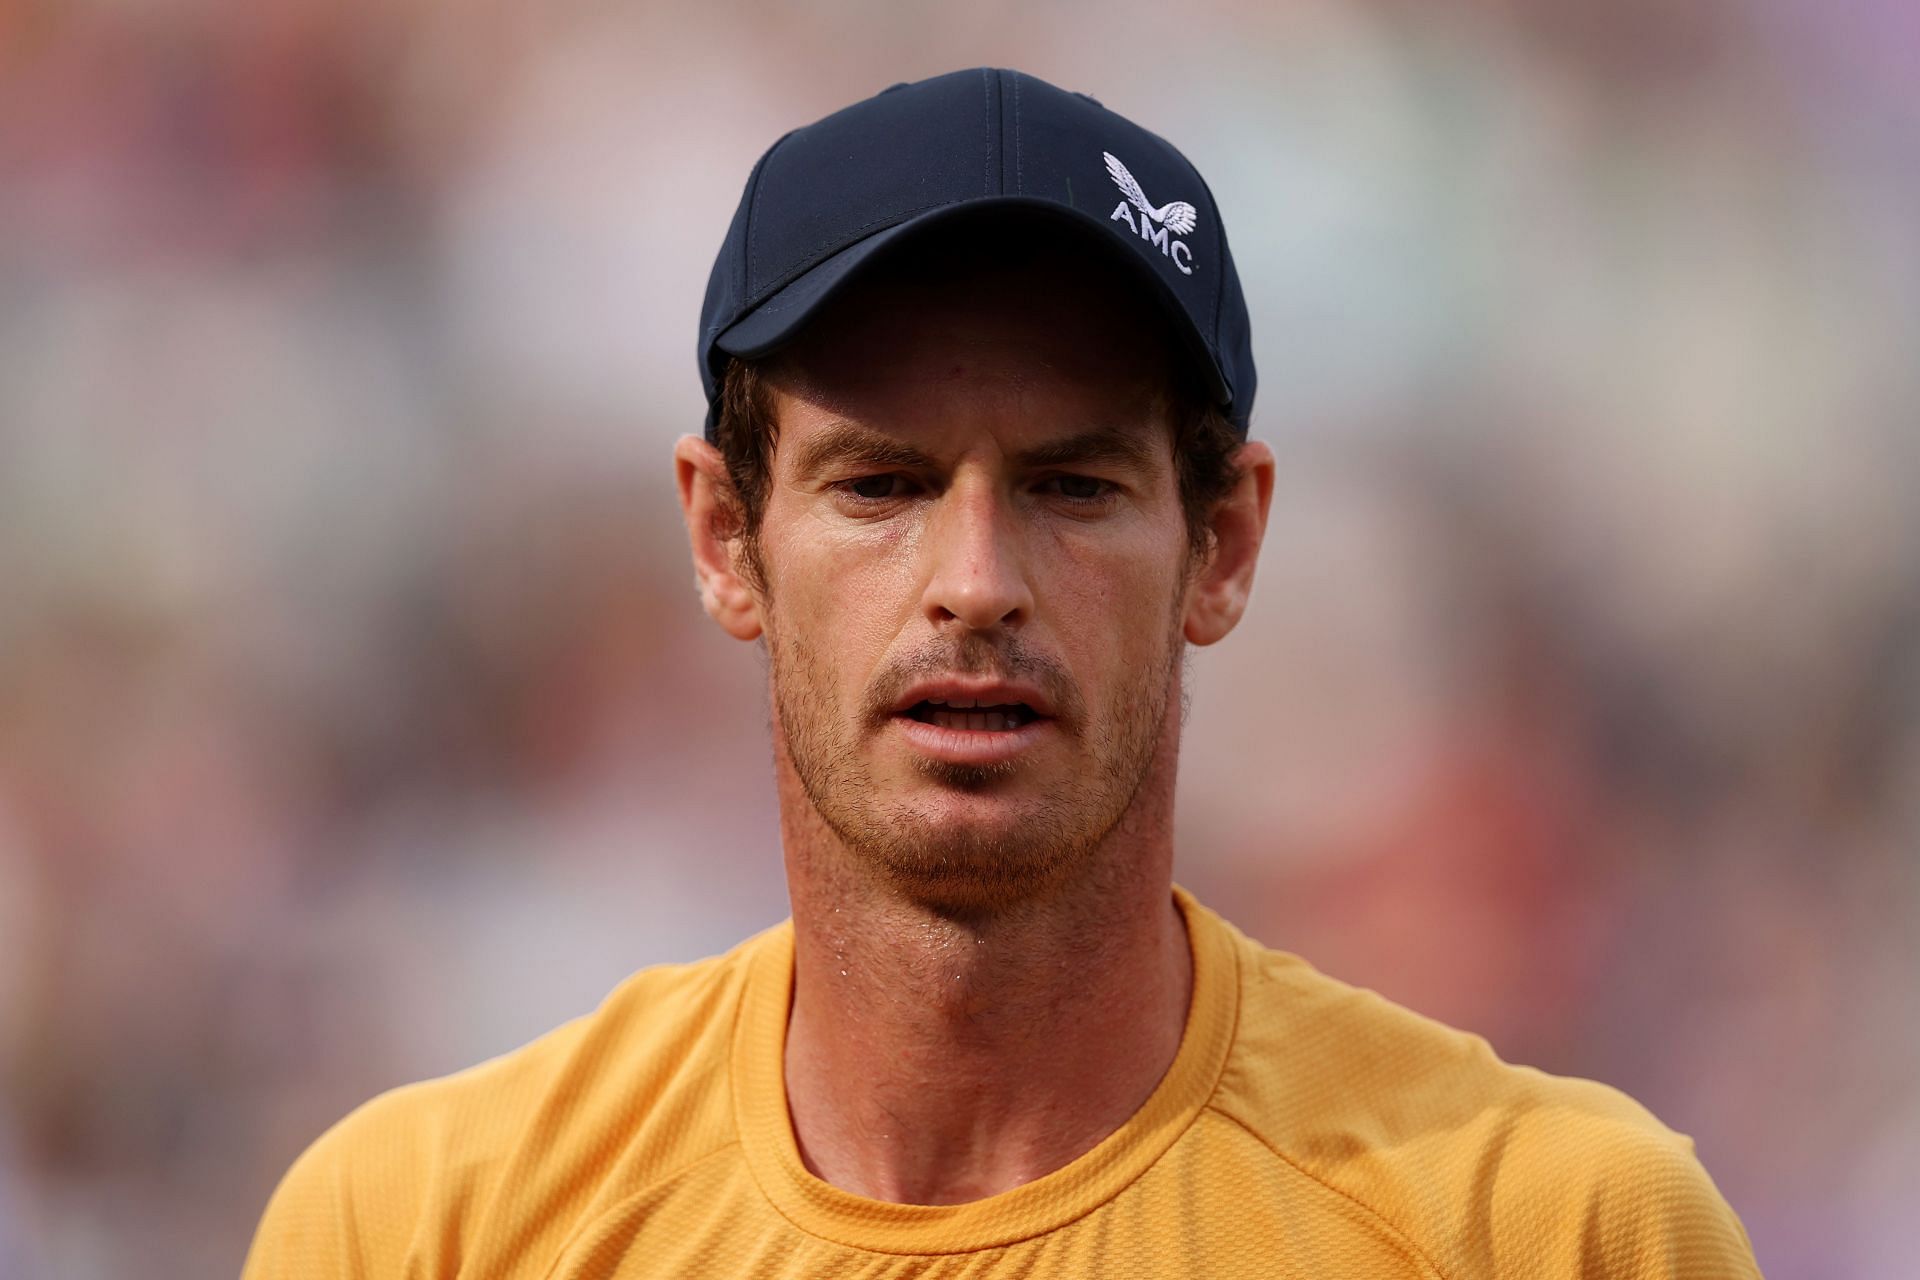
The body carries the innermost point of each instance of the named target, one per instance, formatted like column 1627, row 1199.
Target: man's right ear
column 706, row 499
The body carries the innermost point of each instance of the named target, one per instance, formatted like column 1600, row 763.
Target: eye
column 1080, row 488
column 877, row 488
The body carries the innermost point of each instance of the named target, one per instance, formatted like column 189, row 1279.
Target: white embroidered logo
column 1176, row 216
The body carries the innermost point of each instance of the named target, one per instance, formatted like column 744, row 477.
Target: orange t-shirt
column 1305, row 1129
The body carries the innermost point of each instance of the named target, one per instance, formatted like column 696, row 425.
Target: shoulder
column 631, row 1091
column 1485, row 1167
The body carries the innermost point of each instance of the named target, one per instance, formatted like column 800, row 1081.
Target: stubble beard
column 971, row 868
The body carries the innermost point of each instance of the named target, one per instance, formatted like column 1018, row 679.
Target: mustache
column 975, row 654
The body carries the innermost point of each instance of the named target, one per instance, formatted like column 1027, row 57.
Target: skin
column 973, row 477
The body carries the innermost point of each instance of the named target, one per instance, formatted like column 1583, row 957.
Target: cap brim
column 779, row 319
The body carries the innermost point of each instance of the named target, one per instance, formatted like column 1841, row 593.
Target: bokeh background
column 358, row 720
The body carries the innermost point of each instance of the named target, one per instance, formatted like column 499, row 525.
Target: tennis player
column 976, row 473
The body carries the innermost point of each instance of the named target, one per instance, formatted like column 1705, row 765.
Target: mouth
column 968, row 715
column 974, row 722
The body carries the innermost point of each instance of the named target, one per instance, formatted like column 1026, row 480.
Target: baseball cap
column 831, row 196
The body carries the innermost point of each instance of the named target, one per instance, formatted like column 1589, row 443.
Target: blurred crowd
column 358, row 720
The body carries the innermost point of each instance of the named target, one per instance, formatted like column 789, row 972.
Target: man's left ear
column 1218, row 594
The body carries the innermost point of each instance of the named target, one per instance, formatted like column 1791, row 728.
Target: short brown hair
column 1204, row 442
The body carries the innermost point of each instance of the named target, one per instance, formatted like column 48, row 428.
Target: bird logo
column 1176, row 216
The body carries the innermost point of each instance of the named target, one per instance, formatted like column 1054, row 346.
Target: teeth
column 991, row 721
column 961, row 704
column 978, row 718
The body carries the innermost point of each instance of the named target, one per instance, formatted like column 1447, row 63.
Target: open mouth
column 975, row 717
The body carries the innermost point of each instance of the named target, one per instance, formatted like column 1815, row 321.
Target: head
column 976, row 511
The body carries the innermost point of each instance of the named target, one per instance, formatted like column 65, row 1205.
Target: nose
column 977, row 572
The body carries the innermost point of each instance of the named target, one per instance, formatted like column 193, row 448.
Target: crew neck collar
column 1034, row 1208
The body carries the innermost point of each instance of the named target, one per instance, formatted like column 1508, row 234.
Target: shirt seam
column 1399, row 1236
column 652, row 1185
column 1025, row 1238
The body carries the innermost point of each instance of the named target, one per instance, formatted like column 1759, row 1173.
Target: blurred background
column 358, row 720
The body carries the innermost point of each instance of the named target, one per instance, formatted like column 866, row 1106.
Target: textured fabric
column 1305, row 1129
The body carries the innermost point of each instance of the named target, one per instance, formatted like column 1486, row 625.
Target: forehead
column 1020, row 331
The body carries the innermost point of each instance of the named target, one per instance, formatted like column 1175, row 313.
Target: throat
column 929, row 1062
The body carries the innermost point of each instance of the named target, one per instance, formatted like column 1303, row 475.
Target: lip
column 982, row 689
column 973, row 746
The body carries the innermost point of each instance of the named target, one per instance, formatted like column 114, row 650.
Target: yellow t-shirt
column 1305, row 1129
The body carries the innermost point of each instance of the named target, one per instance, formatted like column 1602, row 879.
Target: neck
column 935, row 1060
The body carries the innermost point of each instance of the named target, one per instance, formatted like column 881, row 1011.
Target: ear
column 1217, row 596
column 706, row 499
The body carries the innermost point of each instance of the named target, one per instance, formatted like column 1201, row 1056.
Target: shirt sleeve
column 306, row 1229
column 349, row 1208
column 1627, row 1203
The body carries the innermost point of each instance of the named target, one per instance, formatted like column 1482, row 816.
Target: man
column 976, row 474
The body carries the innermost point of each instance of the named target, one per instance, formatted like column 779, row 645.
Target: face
column 973, row 572
column 975, row 559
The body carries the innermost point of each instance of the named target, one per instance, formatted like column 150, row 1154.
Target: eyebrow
column 845, row 443
column 1115, row 446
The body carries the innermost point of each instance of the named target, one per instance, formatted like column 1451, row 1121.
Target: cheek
column 1111, row 600
column 843, row 593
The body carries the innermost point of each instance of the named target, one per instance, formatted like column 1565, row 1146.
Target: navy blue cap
column 828, row 197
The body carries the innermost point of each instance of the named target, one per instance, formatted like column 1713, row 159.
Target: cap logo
column 1156, row 226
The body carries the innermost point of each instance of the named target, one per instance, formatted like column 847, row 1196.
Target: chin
column 971, row 778
column 966, row 884
column 972, row 853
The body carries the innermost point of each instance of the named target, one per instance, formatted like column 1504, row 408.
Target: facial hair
column 971, row 867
